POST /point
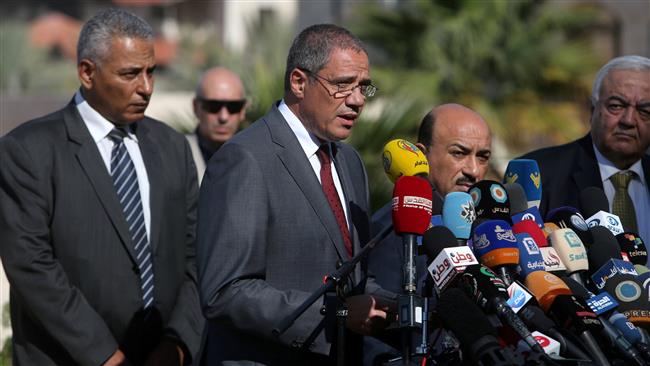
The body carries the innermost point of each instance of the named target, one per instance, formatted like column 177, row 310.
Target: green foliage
column 526, row 66
column 5, row 350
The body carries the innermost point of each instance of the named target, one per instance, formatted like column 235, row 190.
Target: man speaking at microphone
column 457, row 143
column 613, row 155
column 281, row 204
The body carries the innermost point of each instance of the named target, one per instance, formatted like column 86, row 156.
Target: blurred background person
column 220, row 107
column 612, row 156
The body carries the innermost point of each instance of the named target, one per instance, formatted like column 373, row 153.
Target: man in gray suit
column 98, row 217
column 281, row 204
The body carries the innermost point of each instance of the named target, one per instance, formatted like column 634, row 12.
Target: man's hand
column 116, row 359
column 166, row 353
column 365, row 315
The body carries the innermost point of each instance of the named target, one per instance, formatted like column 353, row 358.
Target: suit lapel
column 153, row 164
column 93, row 166
column 293, row 158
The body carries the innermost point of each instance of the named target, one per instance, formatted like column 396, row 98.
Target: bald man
column 457, row 143
column 220, row 106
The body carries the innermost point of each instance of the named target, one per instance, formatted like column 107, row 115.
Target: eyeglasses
column 214, row 106
column 343, row 90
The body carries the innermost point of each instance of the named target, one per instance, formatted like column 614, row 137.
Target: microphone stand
column 335, row 280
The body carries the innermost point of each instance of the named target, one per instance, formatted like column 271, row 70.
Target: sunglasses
column 214, row 106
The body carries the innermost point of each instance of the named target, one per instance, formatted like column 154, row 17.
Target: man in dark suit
column 458, row 144
column 97, row 217
column 616, row 146
column 281, row 204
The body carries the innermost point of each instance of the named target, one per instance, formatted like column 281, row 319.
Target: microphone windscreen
column 530, row 257
column 569, row 217
column 526, row 173
column 411, row 205
column 517, row 197
column 529, row 214
column 495, row 244
column 465, row 319
column 435, row 239
column 633, row 246
column 592, row 200
column 569, row 247
column 631, row 296
column 546, row 286
column 402, row 158
column 604, row 248
column 490, row 200
column 458, row 214
column 623, row 324
column 481, row 283
column 529, row 227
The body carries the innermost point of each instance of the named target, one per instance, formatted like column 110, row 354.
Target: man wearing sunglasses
column 281, row 204
column 220, row 106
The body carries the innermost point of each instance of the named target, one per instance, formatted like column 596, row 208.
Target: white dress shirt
column 638, row 191
column 99, row 128
column 310, row 144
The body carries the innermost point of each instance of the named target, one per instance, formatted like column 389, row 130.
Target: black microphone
column 517, row 197
column 490, row 200
column 624, row 347
column 569, row 217
column 592, row 200
column 477, row 337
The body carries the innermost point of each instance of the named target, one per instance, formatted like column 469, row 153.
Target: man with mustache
column 457, row 143
column 612, row 156
column 98, row 217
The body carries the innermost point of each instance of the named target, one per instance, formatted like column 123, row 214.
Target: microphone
column 571, row 251
column 450, row 260
column 496, row 247
column 632, row 298
column 552, row 261
column 555, row 297
column 490, row 200
column 549, row 227
column 569, row 217
column 517, row 197
column 531, row 228
column 530, row 257
column 529, row 214
column 633, row 247
column 402, row 158
column 411, row 216
column 526, row 173
column 601, row 305
column 458, row 214
column 477, row 337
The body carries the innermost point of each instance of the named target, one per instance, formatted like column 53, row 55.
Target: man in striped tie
column 97, row 217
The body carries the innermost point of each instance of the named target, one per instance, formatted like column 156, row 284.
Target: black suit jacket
column 67, row 250
column 568, row 169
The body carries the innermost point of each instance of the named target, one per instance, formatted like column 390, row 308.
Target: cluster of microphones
column 515, row 288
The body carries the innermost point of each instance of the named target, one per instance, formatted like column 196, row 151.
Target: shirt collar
column 607, row 168
column 308, row 141
column 97, row 125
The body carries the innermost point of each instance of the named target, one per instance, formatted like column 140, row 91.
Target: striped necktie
column 125, row 181
column 622, row 204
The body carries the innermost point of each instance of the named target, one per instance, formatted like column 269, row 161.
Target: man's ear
column 421, row 147
column 86, row 70
column 297, row 82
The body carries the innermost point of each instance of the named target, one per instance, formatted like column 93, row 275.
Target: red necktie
column 332, row 196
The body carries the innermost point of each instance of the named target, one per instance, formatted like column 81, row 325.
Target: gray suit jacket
column 266, row 238
column 67, row 250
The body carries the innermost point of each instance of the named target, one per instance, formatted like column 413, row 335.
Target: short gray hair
column 96, row 35
column 312, row 48
column 629, row 62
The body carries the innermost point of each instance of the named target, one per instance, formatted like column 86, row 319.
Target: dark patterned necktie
column 622, row 204
column 125, row 181
column 329, row 189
